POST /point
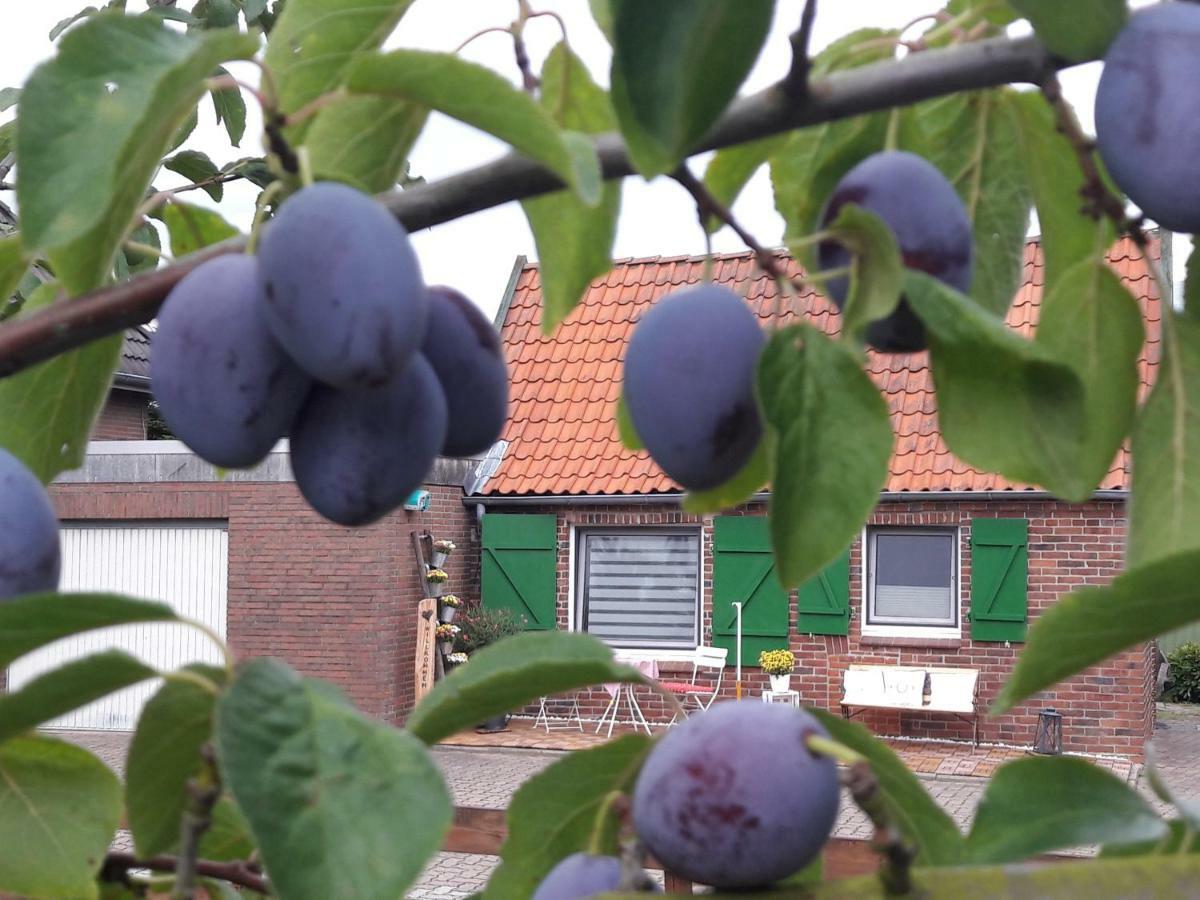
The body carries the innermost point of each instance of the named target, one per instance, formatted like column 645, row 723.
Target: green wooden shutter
column 519, row 567
column 744, row 569
column 999, row 576
column 823, row 602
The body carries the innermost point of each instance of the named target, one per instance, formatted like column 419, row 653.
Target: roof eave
column 761, row 497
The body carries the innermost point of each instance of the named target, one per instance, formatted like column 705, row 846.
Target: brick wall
column 336, row 603
column 122, row 418
column 1108, row 709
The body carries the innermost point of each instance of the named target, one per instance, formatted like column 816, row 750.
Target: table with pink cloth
column 648, row 666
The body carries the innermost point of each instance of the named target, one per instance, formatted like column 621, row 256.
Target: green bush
column 1184, row 677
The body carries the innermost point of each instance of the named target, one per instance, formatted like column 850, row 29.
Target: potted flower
column 481, row 627
column 450, row 605
column 442, row 549
column 446, row 633
column 437, row 579
column 779, row 665
column 456, row 659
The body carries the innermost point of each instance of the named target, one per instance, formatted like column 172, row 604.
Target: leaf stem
column 898, row 856
column 208, row 632
column 205, row 790
column 260, row 213
column 795, row 83
column 312, row 107
column 183, row 676
column 614, row 801
column 824, row 746
column 145, row 249
column 229, row 83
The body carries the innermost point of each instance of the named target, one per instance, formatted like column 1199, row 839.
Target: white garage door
column 185, row 566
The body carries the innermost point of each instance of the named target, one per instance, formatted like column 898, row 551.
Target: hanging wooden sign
column 426, row 639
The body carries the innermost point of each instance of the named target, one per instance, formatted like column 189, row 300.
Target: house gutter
column 665, row 499
column 509, row 291
column 132, row 382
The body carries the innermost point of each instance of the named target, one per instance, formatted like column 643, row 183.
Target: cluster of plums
column 329, row 336
column 732, row 798
column 690, row 369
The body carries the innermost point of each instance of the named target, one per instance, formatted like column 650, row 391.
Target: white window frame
column 661, row 651
column 893, row 629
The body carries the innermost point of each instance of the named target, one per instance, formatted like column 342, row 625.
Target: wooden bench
column 924, row 688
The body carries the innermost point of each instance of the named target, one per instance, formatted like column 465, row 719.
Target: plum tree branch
column 919, row 76
column 795, row 83
column 898, row 855
column 118, row 863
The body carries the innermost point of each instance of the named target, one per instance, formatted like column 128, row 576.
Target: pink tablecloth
column 648, row 666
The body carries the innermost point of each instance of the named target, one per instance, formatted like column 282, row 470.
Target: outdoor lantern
column 1048, row 739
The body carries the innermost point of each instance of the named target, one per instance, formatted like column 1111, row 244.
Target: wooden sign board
column 426, row 640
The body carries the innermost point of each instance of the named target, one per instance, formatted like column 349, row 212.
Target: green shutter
column 823, row 602
column 999, row 575
column 520, row 566
column 744, row 569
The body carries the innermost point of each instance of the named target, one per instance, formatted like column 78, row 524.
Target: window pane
column 641, row 588
column 913, row 578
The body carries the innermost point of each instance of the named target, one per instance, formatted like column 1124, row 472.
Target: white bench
column 929, row 689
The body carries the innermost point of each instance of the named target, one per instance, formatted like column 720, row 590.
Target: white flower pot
column 439, row 559
column 780, row 683
column 446, row 613
column 437, row 588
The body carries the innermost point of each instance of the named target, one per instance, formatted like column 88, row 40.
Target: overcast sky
column 476, row 253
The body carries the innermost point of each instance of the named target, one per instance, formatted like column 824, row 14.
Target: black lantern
column 1048, row 739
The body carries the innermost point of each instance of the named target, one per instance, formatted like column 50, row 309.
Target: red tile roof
column 562, row 429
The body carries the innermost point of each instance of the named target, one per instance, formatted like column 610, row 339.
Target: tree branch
column 919, row 76
column 898, row 856
column 117, row 864
column 795, row 83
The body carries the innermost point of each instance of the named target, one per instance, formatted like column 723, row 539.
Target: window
column 912, row 577
column 639, row 588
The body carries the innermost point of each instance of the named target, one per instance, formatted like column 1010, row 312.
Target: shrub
column 1184, row 683
column 479, row 626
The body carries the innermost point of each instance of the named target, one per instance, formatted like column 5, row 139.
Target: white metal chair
column 700, row 694
column 573, row 717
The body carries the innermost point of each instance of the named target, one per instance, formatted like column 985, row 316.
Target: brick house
column 951, row 566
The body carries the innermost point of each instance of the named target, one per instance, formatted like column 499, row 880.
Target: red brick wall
column 336, row 603
column 1108, row 709
column 122, row 418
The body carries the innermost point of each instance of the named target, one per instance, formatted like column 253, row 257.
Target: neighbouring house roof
column 133, row 369
column 562, row 433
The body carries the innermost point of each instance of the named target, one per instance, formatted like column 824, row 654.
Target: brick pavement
column 487, row 777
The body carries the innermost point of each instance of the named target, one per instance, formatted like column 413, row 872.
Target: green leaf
column 625, row 427
column 14, row 263
column 173, row 14
column 479, row 97
column 95, row 122
column 164, row 754
column 1092, row 323
column 230, row 108
column 36, row 620
column 340, row 805
column 364, row 141
column 553, row 814
column 46, row 411
column 70, row 686
column 667, row 100
column 184, row 131
column 1179, row 834
column 63, row 24
column 1052, row 168
column 9, row 97
column 314, row 43
column 1164, row 508
column 510, row 673
column 8, row 137
column 876, row 269
column 602, row 14
column 574, row 241
column 969, row 136
column 220, row 14
column 914, row 812
column 136, row 260
column 737, row 490
column 1033, row 806
column 1005, row 404
column 1077, row 30
column 193, row 227
column 1089, row 625
column 732, row 167
column 228, row 835
column 59, row 809
column 253, row 9
column 195, row 167
column 252, row 168
column 831, row 438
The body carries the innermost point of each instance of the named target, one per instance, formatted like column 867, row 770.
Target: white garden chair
column 573, row 717
column 700, row 694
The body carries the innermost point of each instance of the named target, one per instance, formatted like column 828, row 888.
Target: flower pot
column 438, row 588
column 780, row 683
column 439, row 559
column 446, row 613
column 494, row 724
column 447, row 647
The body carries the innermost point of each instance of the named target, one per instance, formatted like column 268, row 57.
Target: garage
column 185, row 564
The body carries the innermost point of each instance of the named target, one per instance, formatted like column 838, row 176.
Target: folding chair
column 543, row 717
column 701, row 696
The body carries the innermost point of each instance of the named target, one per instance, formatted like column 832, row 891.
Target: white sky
column 476, row 253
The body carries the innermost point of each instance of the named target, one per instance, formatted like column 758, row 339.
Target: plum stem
column 613, row 802
column 824, row 746
column 229, row 83
column 898, row 855
column 260, row 213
